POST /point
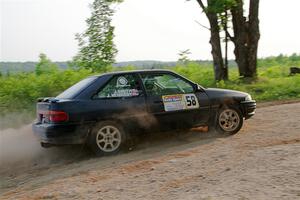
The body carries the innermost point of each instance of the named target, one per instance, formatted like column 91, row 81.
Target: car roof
column 136, row 71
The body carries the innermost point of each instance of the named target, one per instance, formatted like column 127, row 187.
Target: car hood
column 224, row 93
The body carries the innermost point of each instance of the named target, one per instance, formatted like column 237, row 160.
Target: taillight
column 58, row 116
column 54, row 116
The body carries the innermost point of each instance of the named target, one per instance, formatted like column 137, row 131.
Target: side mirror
column 198, row 88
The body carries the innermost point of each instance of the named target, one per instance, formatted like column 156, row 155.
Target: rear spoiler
column 47, row 100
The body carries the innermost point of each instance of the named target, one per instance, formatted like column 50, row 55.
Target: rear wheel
column 107, row 138
column 229, row 120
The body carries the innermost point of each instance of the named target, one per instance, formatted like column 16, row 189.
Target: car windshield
column 75, row 89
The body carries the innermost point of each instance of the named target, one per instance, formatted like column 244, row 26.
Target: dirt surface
column 261, row 162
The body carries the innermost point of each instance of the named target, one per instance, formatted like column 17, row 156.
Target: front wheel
column 107, row 138
column 229, row 120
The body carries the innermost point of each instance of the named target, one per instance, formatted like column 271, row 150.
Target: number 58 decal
column 191, row 101
column 180, row 102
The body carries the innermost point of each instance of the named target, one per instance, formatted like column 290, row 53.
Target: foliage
column 19, row 92
column 281, row 60
column 96, row 48
column 219, row 6
column 45, row 65
column 184, row 56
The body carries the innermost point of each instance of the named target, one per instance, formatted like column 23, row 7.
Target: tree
column 96, row 47
column 212, row 11
column 245, row 38
column 45, row 65
column 184, row 57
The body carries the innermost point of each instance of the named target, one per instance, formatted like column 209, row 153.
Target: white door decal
column 180, row 102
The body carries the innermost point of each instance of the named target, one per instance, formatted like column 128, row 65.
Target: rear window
column 75, row 89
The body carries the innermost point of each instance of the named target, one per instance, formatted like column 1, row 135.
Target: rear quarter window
column 76, row 89
column 121, row 86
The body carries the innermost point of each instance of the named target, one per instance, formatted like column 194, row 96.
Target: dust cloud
column 18, row 145
column 16, row 119
column 19, row 149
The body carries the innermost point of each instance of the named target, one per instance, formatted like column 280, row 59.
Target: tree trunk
column 246, row 37
column 219, row 69
column 240, row 38
column 225, row 25
column 254, row 36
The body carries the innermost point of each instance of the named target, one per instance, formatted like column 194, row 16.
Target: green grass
column 20, row 91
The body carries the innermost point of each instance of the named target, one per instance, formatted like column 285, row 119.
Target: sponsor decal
column 125, row 93
column 180, row 102
column 173, row 102
column 122, row 82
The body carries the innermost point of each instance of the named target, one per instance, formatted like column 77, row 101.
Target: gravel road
column 262, row 161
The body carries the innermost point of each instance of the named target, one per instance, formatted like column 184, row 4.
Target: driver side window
column 165, row 84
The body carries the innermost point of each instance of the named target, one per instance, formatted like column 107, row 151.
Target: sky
column 145, row 29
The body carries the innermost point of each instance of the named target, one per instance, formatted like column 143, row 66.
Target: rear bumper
column 248, row 108
column 60, row 134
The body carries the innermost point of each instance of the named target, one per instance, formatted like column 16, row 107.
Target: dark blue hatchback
column 105, row 111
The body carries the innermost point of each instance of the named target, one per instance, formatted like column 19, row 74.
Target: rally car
column 105, row 111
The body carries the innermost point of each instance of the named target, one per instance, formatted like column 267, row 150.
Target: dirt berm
column 261, row 162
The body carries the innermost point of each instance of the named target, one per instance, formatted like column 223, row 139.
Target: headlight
column 248, row 98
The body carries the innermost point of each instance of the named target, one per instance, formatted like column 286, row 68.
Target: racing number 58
column 191, row 101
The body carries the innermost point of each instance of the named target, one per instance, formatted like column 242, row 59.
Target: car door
column 122, row 98
column 172, row 100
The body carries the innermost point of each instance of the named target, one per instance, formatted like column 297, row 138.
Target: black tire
column 229, row 120
column 107, row 138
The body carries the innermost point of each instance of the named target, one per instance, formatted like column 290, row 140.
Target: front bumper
column 248, row 108
column 60, row 134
